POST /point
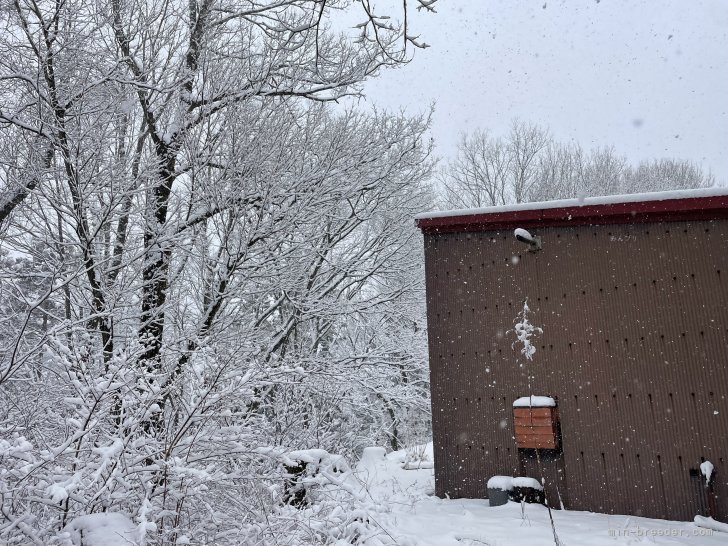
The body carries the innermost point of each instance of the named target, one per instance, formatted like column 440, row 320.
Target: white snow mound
column 103, row 529
column 535, row 402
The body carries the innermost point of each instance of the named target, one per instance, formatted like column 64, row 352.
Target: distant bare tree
column 561, row 171
column 526, row 142
column 491, row 171
column 606, row 173
column 529, row 165
column 668, row 174
column 479, row 174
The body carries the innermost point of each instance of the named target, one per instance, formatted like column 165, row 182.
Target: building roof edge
column 672, row 206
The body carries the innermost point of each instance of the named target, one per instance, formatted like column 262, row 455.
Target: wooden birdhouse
column 537, row 427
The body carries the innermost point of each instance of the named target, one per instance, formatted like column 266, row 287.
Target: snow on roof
column 581, row 202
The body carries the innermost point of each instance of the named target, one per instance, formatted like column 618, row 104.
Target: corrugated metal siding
column 635, row 349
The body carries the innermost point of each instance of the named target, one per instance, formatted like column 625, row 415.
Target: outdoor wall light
column 525, row 237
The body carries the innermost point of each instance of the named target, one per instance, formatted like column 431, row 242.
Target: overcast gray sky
column 649, row 77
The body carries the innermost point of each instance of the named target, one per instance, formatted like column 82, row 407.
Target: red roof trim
column 668, row 210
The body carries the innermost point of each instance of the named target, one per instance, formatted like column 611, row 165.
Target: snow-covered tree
column 201, row 258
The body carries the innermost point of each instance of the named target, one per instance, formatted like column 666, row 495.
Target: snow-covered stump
column 499, row 488
column 294, row 491
column 527, row 490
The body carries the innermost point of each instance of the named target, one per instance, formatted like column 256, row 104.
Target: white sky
column 649, row 77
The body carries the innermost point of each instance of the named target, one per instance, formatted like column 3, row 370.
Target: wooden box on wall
column 537, row 428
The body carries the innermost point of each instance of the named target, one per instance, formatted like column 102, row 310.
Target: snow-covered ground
column 416, row 517
column 390, row 497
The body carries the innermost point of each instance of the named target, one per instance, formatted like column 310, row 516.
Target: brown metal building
column 632, row 296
